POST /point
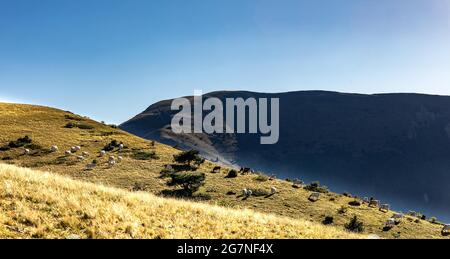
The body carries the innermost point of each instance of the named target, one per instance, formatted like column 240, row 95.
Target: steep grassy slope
column 46, row 126
column 43, row 205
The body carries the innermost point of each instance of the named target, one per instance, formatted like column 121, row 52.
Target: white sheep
column 446, row 229
column 397, row 216
column 68, row 152
column 384, row 207
column 244, row 192
column 111, row 158
column 86, row 154
column 249, row 193
column 77, row 148
column 27, row 151
column 54, row 148
column 121, row 146
column 273, row 190
column 111, row 163
column 73, row 149
column 81, row 158
column 390, row 223
column 102, row 153
column 119, row 159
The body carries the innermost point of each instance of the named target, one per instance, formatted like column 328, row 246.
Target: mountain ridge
column 390, row 136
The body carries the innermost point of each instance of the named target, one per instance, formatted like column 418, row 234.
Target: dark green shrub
column 260, row 192
column 190, row 181
column 70, row 125
column 85, row 126
column 112, row 145
column 188, row 157
column 316, row 187
column 328, row 220
column 354, row 203
column 232, row 174
column 143, row 155
column 355, row 225
column 20, row 142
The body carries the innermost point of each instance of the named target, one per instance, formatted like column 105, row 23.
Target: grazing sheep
column 86, row 154
column 68, row 152
column 121, row 146
column 81, row 158
column 389, row 223
column 374, row 203
column 111, row 163
column 73, row 149
column 54, row 148
column 384, row 207
column 446, row 229
column 111, row 158
column 247, row 193
column 102, row 153
column 273, row 190
column 245, row 170
column 314, row 196
column 77, row 148
column 27, row 151
column 397, row 216
column 119, row 159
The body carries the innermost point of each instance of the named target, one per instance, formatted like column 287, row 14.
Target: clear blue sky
column 110, row 59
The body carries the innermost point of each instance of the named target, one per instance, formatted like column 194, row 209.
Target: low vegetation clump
column 84, row 126
column 328, row 220
column 355, row 203
column 232, row 174
column 316, row 187
column 112, row 145
column 260, row 192
column 20, row 142
column 355, row 225
column 144, row 155
column 261, row 177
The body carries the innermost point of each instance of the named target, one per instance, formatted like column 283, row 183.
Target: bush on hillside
column 20, row 142
column 143, row 155
column 112, row 145
column 188, row 157
column 316, row 187
column 190, row 181
column 328, row 220
column 232, row 174
column 355, row 203
column 355, row 225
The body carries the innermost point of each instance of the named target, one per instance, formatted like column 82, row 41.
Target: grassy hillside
column 43, row 205
column 139, row 171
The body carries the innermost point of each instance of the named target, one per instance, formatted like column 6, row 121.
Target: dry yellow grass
column 43, row 205
column 46, row 127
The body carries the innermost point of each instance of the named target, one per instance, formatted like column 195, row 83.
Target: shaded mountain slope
column 392, row 146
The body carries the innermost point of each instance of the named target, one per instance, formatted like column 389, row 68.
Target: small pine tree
column 187, row 157
column 355, row 225
column 189, row 181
